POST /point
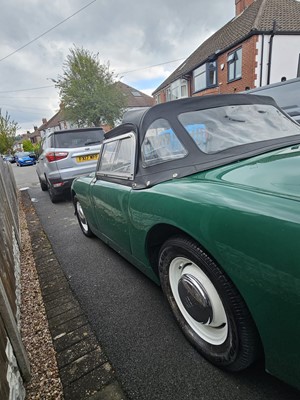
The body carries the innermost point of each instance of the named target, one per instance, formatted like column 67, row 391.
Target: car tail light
column 57, row 184
column 56, row 155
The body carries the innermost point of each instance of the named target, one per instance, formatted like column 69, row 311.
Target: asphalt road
column 152, row 359
column 25, row 176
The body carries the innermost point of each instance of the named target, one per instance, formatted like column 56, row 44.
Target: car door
column 111, row 189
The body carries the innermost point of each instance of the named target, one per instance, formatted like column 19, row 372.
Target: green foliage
column 8, row 130
column 37, row 148
column 88, row 91
column 27, row 145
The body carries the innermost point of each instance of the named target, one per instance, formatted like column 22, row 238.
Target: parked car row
column 21, row 158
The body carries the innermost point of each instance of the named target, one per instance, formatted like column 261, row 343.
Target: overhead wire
column 151, row 66
column 47, row 31
column 123, row 73
column 51, row 29
column 24, row 90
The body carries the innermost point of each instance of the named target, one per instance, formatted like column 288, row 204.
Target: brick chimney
column 44, row 121
column 241, row 5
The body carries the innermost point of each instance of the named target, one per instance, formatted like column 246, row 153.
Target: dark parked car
column 202, row 195
column 24, row 158
column 33, row 155
column 65, row 155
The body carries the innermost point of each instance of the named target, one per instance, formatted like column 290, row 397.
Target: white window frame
column 232, row 63
column 176, row 89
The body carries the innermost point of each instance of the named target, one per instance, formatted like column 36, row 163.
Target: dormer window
column 177, row 90
column 205, row 76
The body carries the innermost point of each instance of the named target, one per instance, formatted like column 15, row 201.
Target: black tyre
column 55, row 198
column 81, row 219
column 43, row 185
column 207, row 306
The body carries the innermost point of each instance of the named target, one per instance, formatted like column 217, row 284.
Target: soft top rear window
column 221, row 128
column 161, row 144
column 78, row 138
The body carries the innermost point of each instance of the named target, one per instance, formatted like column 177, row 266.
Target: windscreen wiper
column 94, row 142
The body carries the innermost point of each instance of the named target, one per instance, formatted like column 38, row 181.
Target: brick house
column 259, row 46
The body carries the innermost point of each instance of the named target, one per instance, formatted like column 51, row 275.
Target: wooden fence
column 14, row 366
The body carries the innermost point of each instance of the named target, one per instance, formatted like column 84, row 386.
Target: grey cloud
column 130, row 34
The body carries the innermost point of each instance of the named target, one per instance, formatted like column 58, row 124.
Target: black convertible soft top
column 196, row 159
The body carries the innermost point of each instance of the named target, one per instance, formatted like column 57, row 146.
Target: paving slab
column 69, row 326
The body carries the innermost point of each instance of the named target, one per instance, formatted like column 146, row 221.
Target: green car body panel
column 246, row 215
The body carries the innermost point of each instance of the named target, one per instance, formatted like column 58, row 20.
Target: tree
column 8, row 130
column 27, row 145
column 88, row 90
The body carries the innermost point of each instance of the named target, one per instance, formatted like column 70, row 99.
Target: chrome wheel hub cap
column 198, row 301
column 195, row 299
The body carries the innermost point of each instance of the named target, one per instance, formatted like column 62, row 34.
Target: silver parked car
column 65, row 155
column 286, row 94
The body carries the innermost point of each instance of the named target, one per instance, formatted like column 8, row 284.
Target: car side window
column 161, row 144
column 117, row 157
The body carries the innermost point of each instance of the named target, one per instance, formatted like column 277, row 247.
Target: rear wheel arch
column 73, row 194
column 53, row 196
column 156, row 237
column 83, row 223
column 43, row 182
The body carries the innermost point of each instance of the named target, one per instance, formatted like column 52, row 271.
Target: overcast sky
column 132, row 35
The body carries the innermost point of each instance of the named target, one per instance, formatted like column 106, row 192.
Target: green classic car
column 202, row 195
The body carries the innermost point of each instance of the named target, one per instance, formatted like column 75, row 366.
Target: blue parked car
column 24, row 158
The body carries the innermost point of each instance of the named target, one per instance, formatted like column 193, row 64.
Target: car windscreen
column 221, row 128
column 23, row 154
column 78, row 138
